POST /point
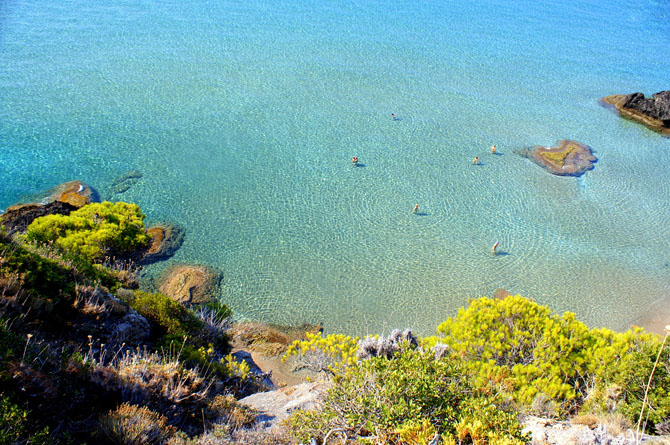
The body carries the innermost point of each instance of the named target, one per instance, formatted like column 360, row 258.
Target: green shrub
column 12, row 421
column 166, row 316
column 38, row 275
column 386, row 398
column 521, row 345
column 14, row 425
column 93, row 231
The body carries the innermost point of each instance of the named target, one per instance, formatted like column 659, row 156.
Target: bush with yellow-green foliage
column 522, row 346
column 324, row 353
column 166, row 316
column 408, row 399
column 94, row 231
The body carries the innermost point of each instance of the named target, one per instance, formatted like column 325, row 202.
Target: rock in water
column 75, row 193
column 189, row 284
column 166, row 239
column 124, row 182
column 570, row 158
column 17, row 218
column 652, row 112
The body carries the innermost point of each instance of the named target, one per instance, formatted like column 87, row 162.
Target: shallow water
column 243, row 118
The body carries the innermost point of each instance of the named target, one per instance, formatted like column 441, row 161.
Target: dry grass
column 140, row 371
column 214, row 326
column 87, row 301
column 590, row 420
column 226, row 410
column 616, row 423
column 130, row 424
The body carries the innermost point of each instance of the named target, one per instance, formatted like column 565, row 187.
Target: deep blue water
column 243, row 118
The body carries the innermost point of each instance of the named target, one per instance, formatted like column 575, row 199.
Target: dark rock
column 124, row 182
column 570, row 158
column 189, row 284
column 17, row 218
column 261, row 378
column 166, row 239
column 652, row 112
column 133, row 328
column 61, row 200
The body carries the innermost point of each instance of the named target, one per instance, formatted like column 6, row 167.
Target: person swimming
column 475, row 160
column 416, row 208
column 493, row 149
column 495, row 246
column 354, row 160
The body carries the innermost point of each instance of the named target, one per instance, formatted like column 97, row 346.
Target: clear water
column 243, row 118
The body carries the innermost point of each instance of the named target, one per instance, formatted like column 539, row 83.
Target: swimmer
column 493, row 149
column 355, row 160
column 394, row 117
column 475, row 160
column 495, row 246
column 416, row 208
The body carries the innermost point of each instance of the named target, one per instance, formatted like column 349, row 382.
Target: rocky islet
column 653, row 112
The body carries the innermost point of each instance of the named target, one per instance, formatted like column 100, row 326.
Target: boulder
column 275, row 406
column 652, row 112
column 131, row 329
column 189, row 284
column 124, row 182
column 166, row 239
column 570, row 158
column 17, row 218
column 75, row 193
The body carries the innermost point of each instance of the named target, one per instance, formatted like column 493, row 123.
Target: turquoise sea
column 243, row 117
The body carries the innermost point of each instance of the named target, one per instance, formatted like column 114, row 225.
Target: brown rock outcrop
column 189, row 284
column 60, row 200
column 501, row 294
column 166, row 239
column 75, row 193
column 570, row 158
column 17, row 218
column 653, row 112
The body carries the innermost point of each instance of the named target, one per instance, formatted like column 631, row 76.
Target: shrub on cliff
column 94, row 231
column 524, row 347
column 166, row 316
column 411, row 398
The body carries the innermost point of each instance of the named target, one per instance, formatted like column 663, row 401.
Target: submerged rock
column 17, row 218
column 501, row 294
column 124, row 182
column 570, row 158
column 189, row 284
column 166, row 239
column 652, row 112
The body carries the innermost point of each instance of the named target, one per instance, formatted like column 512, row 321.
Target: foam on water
column 243, row 118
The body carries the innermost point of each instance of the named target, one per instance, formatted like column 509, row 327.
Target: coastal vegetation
column 94, row 231
column 496, row 359
column 87, row 356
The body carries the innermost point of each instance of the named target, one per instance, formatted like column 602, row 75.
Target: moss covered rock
column 570, row 158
